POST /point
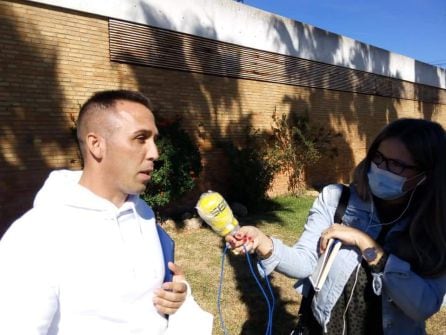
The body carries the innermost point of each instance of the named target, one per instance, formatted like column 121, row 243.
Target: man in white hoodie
column 86, row 259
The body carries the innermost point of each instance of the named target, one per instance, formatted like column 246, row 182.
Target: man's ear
column 95, row 146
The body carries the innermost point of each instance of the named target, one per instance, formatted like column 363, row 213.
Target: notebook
column 324, row 264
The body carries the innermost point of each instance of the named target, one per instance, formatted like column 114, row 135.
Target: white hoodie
column 77, row 265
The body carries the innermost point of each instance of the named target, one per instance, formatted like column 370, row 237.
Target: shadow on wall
column 201, row 104
column 336, row 153
column 310, row 42
column 361, row 115
column 30, row 106
column 209, row 106
column 423, row 72
column 211, row 111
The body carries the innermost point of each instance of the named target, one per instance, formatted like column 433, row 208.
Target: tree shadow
column 359, row 105
column 211, row 109
column 425, row 73
column 333, row 147
column 31, row 105
column 253, row 298
column 206, row 98
column 212, row 112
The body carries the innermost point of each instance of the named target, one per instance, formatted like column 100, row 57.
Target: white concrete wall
column 230, row 21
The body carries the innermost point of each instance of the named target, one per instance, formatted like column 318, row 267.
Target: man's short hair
column 104, row 101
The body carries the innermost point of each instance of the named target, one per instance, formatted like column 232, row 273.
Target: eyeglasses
column 392, row 165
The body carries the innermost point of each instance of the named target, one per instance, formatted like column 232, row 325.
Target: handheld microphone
column 215, row 211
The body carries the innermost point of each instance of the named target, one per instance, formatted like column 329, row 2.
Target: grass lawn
column 243, row 306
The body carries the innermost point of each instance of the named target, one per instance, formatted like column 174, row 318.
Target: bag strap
column 342, row 205
column 168, row 249
column 305, row 304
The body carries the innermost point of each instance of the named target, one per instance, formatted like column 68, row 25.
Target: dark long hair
column 426, row 236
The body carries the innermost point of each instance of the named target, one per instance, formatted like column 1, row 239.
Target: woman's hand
column 250, row 239
column 351, row 236
column 348, row 236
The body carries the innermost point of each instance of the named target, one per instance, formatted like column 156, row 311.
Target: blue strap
column 168, row 248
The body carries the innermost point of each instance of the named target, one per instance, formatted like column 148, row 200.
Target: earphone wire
column 350, row 298
column 359, row 265
column 402, row 213
column 367, row 228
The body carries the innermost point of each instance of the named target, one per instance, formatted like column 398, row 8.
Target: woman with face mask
column 390, row 274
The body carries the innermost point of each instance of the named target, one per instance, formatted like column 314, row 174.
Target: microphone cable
column 270, row 304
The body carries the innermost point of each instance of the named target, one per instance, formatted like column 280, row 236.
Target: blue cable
column 271, row 292
column 270, row 305
column 220, row 286
column 269, row 327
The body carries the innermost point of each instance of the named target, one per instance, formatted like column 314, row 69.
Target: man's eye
column 141, row 139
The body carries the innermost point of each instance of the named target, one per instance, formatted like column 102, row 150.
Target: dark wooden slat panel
column 149, row 46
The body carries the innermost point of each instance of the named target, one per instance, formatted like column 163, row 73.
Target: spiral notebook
column 324, row 264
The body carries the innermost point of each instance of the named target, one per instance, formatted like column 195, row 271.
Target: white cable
column 350, row 298
column 403, row 212
column 367, row 228
column 393, row 221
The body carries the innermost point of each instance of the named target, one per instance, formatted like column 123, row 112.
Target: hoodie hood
column 62, row 188
column 57, row 187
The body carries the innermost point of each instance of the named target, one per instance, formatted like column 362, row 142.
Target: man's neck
column 98, row 185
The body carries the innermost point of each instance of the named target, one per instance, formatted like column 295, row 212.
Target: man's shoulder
column 32, row 228
column 34, row 219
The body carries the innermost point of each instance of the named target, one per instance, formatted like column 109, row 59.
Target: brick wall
column 52, row 60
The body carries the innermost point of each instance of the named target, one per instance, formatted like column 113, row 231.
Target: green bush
column 177, row 168
column 295, row 144
column 250, row 172
column 291, row 146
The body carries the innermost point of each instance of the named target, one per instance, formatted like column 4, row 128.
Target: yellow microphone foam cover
column 214, row 210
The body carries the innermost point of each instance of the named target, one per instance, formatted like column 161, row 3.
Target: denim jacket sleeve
column 407, row 298
column 300, row 260
column 418, row 297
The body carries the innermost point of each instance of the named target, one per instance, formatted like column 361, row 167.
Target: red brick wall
column 52, row 60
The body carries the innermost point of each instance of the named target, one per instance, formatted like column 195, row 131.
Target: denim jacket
column 407, row 299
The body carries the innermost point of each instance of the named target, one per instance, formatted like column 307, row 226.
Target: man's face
column 130, row 149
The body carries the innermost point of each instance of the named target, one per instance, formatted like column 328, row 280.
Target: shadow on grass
column 266, row 213
column 257, row 307
column 285, row 311
column 250, row 293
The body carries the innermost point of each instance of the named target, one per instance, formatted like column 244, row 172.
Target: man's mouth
column 147, row 172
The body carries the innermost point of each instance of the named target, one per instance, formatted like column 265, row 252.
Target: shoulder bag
column 304, row 313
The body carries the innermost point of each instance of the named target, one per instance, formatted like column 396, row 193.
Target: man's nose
column 152, row 151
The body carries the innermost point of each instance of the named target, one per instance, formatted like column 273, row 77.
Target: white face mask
column 385, row 184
